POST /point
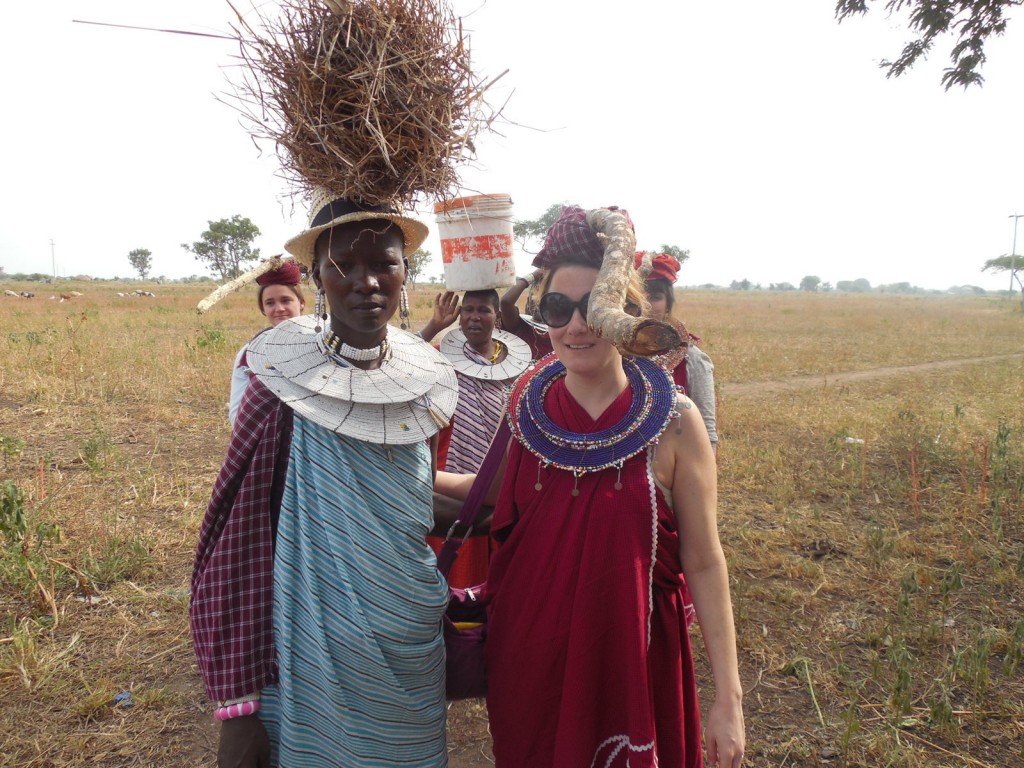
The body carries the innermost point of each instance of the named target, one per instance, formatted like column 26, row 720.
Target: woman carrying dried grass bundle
column 606, row 513
column 316, row 604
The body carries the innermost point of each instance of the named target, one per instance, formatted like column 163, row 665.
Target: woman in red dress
column 606, row 511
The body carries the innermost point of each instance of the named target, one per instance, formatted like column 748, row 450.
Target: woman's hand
column 446, row 312
column 446, row 308
column 723, row 733
column 243, row 744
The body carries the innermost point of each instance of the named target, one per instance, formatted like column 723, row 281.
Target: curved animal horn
column 242, row 280
column 633, row 335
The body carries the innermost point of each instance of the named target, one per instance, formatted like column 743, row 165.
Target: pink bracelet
column 237, row 710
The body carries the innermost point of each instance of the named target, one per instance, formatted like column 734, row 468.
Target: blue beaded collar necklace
column 651, row 409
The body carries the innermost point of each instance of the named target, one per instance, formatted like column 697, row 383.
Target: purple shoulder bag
column 465, row 621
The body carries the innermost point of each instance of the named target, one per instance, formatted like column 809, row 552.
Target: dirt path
column 776, row 386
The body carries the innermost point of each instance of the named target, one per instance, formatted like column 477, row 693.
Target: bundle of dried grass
column 374, row 100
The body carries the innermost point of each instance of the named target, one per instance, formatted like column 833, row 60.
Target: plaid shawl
column 232, row 583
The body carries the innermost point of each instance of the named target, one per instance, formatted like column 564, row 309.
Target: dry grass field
column 874, row 526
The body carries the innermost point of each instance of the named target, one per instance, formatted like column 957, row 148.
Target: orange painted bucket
column 476, row 242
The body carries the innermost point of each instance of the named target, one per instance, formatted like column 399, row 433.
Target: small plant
column 116, row 559
column 32, row 662
column 1001, row 452
column 940, row 712
column 972, row 664
column 95, row 450
column 901, row 661
column 1015, row 649
column 851, row 725
column 880, row 543
column 12, row 514
column 211, row 339
column 11, row 447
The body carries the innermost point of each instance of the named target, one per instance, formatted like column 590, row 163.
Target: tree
column 531, row 232
column 810, row 283
column 226, row 245
column 1007, row 263
column 141, row 260
column 418, row 260
column 1014, row 264
column 971, row 21
column 860, row 285
column 740, row 285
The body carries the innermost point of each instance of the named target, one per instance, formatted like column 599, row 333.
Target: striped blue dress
column 357, row 608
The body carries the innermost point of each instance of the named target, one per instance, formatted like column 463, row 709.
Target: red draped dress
column 588, row 655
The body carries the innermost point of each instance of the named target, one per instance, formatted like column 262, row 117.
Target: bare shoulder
column 683, row 439
column 684, row 403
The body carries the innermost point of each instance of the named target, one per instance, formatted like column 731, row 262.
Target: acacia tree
column 226, row 245
column 1014, row 264
column 141, row 260
column 972, row 22
column 418, row 260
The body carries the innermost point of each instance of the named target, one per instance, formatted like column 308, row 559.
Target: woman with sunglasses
column 606, row 512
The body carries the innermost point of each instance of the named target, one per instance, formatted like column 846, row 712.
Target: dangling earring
column 320, row 309
column 403, row 308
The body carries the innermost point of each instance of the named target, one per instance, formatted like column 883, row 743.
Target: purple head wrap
column 571, row 238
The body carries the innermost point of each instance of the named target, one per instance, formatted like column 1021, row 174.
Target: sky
column 763, row 137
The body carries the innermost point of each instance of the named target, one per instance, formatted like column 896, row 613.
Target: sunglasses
column 556, row 309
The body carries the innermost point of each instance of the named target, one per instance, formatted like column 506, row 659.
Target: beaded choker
column 338, row 347
column 651, row 409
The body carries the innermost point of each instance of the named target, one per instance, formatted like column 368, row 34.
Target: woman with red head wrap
column 279, row 299
column 695, row 373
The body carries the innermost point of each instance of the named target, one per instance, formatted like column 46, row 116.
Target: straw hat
column 329, row 210
column 409, row 398
column 517, row 358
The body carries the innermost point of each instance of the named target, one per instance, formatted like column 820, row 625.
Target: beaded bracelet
column 237, row 710
column 240, row 700
column 529, row 279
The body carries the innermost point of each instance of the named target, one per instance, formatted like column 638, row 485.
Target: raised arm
column 446, row 311
column 508, row 305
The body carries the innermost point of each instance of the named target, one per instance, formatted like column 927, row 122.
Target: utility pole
column 53, row 258
column 1013, row 253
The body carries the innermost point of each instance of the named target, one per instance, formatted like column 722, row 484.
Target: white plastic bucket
column 476, row 242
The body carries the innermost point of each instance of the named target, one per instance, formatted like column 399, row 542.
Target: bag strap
column 475, row 498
